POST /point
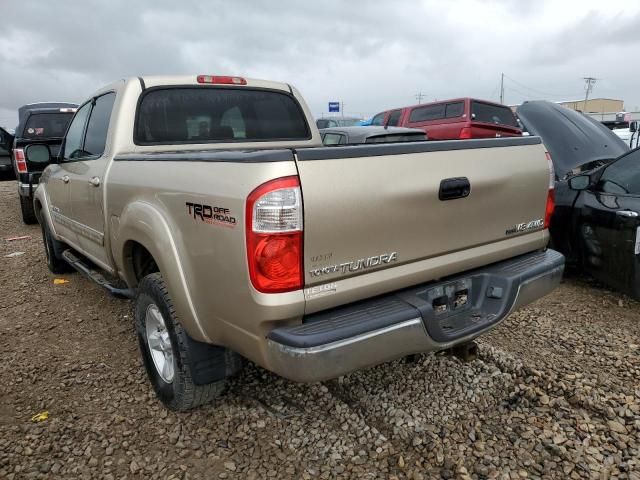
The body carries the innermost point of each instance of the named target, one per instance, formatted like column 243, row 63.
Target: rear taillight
column 21, row 162
column 214, row 79
column 465, row 132
column 551, row 204
column 274, row 236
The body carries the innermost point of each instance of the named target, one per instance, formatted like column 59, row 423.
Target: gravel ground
column 555, row 393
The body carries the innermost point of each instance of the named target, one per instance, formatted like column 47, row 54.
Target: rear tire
column 28, row 212
column 53, row 251
column 165, row 349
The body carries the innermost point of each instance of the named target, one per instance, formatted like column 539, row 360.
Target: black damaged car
column 596, row 222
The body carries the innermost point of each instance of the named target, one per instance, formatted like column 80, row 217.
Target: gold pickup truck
column 212, row 203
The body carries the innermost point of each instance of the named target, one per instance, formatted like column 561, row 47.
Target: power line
column 493, row 94
column 419, row 96
column 540, row 92
column 527, row 95
column 589, row 82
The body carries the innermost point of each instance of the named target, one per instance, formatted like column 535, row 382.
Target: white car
column 623, row 133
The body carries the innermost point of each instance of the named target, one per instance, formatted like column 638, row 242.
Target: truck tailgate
column 373, row 207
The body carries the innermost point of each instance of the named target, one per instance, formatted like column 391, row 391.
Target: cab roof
column 168, row 80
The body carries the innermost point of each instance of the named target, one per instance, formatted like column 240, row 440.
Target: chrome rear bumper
column 331, row 344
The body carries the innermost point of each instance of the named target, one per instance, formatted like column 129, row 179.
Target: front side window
column 202, row 115
column 427, row 113
column 74, row 139
column 98, row 125
column 378, row 119
column 394, row 118
column 622, row 177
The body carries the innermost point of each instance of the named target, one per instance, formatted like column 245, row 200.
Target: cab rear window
column 204, row 114
column 47, row 125
column 487, row 113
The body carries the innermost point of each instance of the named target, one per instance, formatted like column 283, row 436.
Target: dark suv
column 44, row 123
column 6, row 144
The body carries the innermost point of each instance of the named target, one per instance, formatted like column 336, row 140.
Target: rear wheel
column 168, row 351
column 28, row 212
column 53, row 251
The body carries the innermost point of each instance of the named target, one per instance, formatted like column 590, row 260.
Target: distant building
column 595, row 105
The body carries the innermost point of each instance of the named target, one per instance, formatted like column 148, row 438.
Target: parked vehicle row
column 212, row 202
column 460, row 118
column 337, row 122
column 356, row 135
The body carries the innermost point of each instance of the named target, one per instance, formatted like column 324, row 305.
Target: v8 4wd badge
column 525, row 227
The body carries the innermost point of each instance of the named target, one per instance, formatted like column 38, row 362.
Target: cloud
column 371, row 55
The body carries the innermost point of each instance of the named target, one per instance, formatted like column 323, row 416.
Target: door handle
column 65, row 178
column 627, row 213
column 95, row 181
column 452, row 188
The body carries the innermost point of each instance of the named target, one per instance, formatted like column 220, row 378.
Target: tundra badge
column 355, row 265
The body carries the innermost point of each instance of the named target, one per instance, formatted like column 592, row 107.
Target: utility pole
column 589, row 82
column 419, row 96
column 342, row 108
column 502, row 88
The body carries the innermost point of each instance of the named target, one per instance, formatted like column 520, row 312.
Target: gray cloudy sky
column 370, row 54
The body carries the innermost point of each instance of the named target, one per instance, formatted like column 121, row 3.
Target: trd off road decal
column 211, row 215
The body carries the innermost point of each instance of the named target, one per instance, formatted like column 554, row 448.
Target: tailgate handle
column 452, row 188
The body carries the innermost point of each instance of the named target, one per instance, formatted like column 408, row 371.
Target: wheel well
column 140, row 260
column 38, row 209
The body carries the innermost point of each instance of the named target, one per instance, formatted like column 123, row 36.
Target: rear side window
column 496, row 114
column 47, row 125
column 426, row 113
column 455, row 109
column 203, row 114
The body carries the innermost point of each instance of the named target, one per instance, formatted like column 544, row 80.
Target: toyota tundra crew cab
column 212, row 203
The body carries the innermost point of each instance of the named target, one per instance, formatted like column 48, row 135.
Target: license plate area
column 449, row 298
column 461, row 306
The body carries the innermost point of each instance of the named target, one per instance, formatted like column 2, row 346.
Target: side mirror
column 633, row 126
column 38, row 153
column 579, row 182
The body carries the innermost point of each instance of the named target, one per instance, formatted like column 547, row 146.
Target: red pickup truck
column 458, row 118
